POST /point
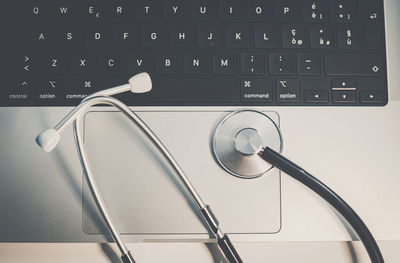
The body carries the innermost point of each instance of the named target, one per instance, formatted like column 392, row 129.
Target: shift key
column 354, row 64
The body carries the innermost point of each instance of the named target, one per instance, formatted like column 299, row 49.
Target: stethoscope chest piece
column 239, row 137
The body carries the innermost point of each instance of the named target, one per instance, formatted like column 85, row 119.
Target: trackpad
column 143, row 194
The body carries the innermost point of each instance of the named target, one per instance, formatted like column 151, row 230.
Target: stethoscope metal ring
column 238, row 156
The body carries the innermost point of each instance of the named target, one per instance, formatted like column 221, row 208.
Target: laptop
column 324, row 71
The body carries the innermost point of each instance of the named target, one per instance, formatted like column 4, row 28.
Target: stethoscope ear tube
column 330, row 196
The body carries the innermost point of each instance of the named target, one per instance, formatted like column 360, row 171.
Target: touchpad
column 143, row 194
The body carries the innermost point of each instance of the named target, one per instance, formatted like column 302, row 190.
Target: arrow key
column 316, row 96
column 344, row 96
column 371, row 96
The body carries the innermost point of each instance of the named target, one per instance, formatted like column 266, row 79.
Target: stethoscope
column 242, row 151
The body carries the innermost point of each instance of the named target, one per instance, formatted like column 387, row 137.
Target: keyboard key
column 188, row 92
column 374, row 37
column 154, row 36
column 210, row 36
column 344, row 96
column 205, row 10
column 344, row 84
column 256, row 90
column 123, row 10
column 294, row 36
column 358, row 64
column 349, row 37
column 232, row 10
column 322, row 36
column 113, row 64
column 196, row 63
column 140, row 62
column 371, row 96
column 98, row 39
column 370, row 11
column 288, row 90
column 253, row 63
column 266, row 37
column 260, row 10
column 281, row 63
column 182, row 36
column 54, row 64
column 177, row 10
column 82, row 64
column 225, row 63
column 287, row 10
column 341, row 10
column 314, row 10
column 238, row 37
column 309, row 64
column 125, row 37
column 149, row 9
column 316, row 96
column 170, row 63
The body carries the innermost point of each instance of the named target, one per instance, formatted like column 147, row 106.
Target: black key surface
column 288, row 90
column 309, row 64
column 357, row 64
column 316, row 96
column 256, row 90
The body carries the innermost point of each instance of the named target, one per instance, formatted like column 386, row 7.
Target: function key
column 205, row 10
column 287, row 10
column 315, row 10
column 256, row 90
column 288, row 90
column 316, row 96
column 281, row 63
column 371, row 96
column 309, row 64
column 341, row 11
column 266, row 36
column 260, row 10
column 177, row 9
column 344, row 96
column 232, row 10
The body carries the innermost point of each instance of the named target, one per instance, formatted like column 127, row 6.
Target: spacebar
column 359, row 64
column 194, row 90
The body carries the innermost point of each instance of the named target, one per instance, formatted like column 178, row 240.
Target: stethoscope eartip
column 48, row 140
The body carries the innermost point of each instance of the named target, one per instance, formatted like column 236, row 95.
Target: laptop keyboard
column 198, row 52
